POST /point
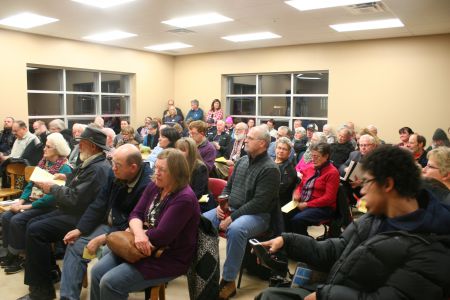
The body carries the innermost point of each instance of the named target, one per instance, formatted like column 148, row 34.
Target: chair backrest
column 14, row 171
column 28, row 171
column 216, row 186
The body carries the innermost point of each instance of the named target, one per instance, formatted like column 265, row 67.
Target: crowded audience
column 153, row 182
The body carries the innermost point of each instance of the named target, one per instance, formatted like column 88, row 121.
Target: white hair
column 60, row 144
column 301, row 130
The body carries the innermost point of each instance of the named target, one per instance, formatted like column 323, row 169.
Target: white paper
column 42, row 175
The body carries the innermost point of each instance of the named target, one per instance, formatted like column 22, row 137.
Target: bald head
column 127, row 162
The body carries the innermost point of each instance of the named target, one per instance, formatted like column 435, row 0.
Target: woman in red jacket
column 316, row 194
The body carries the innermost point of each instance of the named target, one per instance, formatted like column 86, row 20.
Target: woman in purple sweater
column 166, row 217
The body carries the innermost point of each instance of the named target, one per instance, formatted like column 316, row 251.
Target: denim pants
column 75, row 266
column 15, row 225
column 112, row 278
column 238, row 233
column 309, row 216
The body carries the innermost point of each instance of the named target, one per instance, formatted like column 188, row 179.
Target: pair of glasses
column 365, row 181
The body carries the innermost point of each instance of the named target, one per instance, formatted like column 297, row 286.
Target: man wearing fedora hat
column 72, row 199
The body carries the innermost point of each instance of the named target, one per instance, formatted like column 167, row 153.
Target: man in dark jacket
column 80, row 190
column 253, row 195
column 109, row 212
column 399, row 250
column 6, row 136
column 341, row 150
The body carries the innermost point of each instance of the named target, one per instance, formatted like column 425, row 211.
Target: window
column 281, row 96
column 76, row 96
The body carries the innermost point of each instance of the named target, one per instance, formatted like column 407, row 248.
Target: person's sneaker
column 7, row 260
column 227, row 289
column 15, row 267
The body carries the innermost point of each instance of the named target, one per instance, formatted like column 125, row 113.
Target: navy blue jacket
column 114, row 197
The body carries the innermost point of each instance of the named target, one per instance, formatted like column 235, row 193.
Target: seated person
column 167, row 216
column 220, row 139
column 127, row 137
column 26, row 146
column 6, row 136
column 172, row 118
column 124, row 123
column 398, row 250
column 439, row 139
column 341, row 150
column 316, row 194
column 108, row 213
column 417, row 145
column 195, row 113
column 306, row 160
column 253, row 194
column 289, row 177
column 151, row 139
column 283, row 131
column 197, row 131
column 404, row 133
column 33, row 202
column 300, row 140
column 438, row 168
column 198, row 172
column 329, row 134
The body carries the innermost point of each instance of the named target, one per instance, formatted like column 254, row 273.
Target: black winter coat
column 365, row 264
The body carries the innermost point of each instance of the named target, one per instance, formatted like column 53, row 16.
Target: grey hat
column 94, row 136
column 312, row 127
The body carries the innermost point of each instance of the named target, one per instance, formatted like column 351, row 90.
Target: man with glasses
column 252, row 196
column 400, row 249
column 366, row 145
column 109, row 212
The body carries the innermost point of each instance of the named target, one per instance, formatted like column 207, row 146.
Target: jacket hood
column 432, row 217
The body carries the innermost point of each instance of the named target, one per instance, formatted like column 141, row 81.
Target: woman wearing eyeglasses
column 32, row 203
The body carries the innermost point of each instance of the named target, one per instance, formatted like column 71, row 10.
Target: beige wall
column 152, row 84
column 390, row 83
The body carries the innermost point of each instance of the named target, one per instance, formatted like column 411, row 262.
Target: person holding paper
column 33, row 202
column 316, row 194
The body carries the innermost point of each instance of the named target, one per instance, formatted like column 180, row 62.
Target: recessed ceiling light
column 109, row 36
column 169, row 46
column 317, row 4
column 197, row 20
column 379, row 24
column 26, row 20
column 102, row 3
column 252, row 36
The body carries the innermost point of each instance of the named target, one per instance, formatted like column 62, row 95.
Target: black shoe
column 15, row 267
column 8, row 260
column 56, row 274
column 40, row 293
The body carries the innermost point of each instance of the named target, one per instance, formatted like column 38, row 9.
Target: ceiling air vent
column 366, row 8
column 180, row 31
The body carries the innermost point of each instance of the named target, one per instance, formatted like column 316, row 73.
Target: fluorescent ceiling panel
column 26, row 20
column 197, row 20
column 109, row 36
column 368, row 25
column 252, row 37
column 318, row 4
column 168, row 46
column 103, row 3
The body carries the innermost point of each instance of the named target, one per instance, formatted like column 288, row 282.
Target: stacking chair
column 14, row 172
column 216, row 186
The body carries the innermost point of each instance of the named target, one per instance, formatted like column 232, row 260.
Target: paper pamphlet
column 221, row 160
column 42, row 175
column 203, row 199
column 354, row 171
column 361, row 205
column 291, row 205
column 9, row 202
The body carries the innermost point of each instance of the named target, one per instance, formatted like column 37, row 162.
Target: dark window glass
column 114, row 105
column 275, row 84
column 311, row 83
column 81, row 81
column 242, row 105
column 114, row 83
column 311, row 107
column 274, row 106
column 45, row 104
column 241, row 85
column 44, row 79
column 81, row 104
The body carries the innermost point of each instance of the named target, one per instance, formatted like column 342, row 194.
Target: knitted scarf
column 52, row 167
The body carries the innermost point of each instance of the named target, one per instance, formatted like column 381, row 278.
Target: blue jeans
column 112, row 278
column 75, row 266
column 238, row 233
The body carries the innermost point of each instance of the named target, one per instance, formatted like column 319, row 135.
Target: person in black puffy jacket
column 400, row 249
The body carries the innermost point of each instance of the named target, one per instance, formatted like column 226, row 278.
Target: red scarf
column 52, row 167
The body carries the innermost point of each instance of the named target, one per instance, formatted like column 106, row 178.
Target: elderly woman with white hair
column 32, row 203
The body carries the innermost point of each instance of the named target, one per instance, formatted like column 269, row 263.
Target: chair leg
column 162, row 292
column 154, row 292
column 85, row 280
column 241, row 271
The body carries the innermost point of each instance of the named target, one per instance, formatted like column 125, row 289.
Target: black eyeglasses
column 365, row 182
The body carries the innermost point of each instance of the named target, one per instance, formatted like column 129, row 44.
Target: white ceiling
column 143, row 17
